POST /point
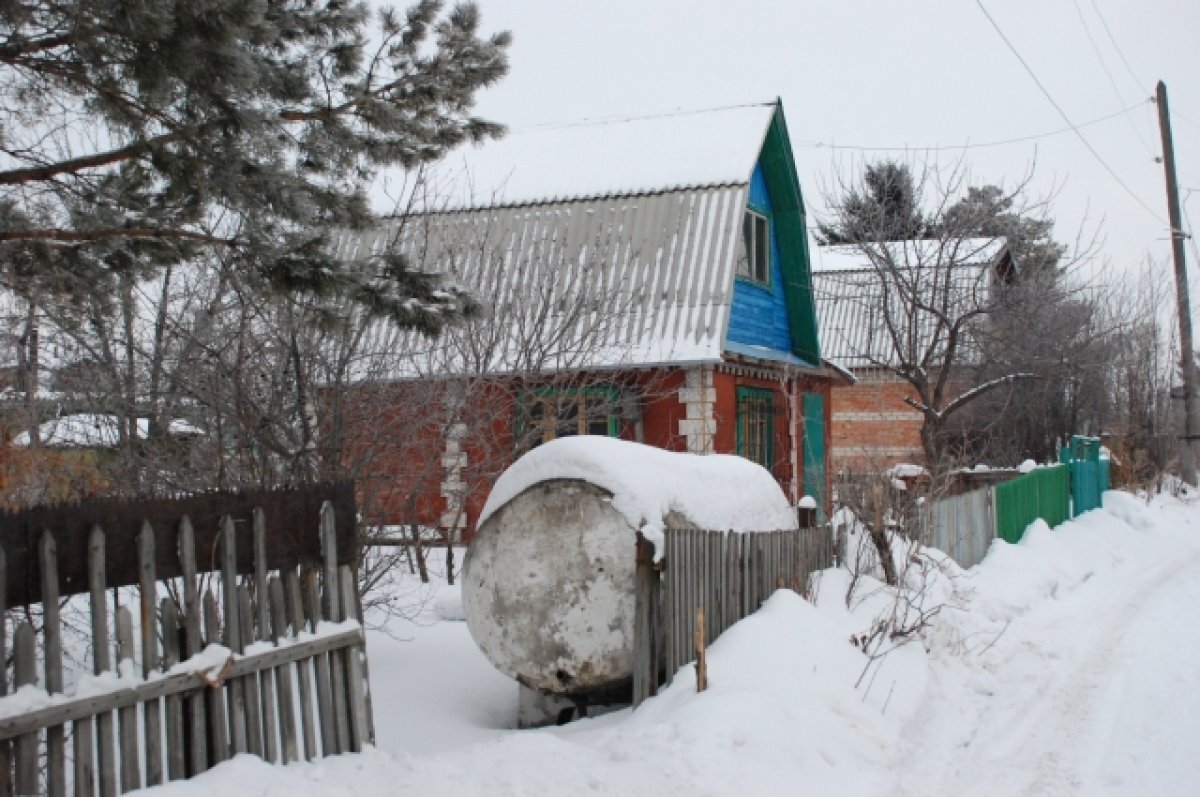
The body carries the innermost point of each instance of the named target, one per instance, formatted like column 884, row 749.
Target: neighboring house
column 869, row 300
column 645, row 278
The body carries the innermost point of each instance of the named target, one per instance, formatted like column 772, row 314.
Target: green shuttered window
column 756, row 425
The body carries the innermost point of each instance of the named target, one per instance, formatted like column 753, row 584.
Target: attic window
column 754, row 261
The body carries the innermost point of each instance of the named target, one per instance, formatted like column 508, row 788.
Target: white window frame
column 754, row 263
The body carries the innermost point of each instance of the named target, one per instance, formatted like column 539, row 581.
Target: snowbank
column 714, row 491
column 1064, row 666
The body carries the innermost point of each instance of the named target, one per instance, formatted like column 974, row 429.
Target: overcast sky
column 895, row 73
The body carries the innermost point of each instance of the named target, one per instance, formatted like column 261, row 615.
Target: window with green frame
column 756, row 425
column 549, row 413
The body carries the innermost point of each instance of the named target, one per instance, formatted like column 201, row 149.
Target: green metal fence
column 1043, row 493
column 1089, row 473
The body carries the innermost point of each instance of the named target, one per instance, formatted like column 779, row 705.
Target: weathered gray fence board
column 332, row 611
column 106, row 740
column 176, row 745
column 284, row 682
column 250, row 684
column 233, row 634
column 188, row 719
column 131, row 769
column 27, row 744
column 193, row 644
column 963, row 526
column 148, row 594
column 728, row 575
column 218, row 724
column 263, row 632
column 56, row 752
column 311, row 602
column 174, row 684
column 295, row 608
column 6, row 784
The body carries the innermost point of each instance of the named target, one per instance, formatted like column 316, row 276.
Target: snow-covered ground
column 1063, row 665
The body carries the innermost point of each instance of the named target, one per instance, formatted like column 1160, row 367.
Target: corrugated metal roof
column 857, row 295
column 631, row 280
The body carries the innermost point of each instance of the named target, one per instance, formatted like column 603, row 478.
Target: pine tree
column 988, row 211
column 884, row 207
column 138, row 133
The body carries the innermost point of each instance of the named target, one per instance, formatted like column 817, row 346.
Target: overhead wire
column 1137, row 81
column 1075, row 128
column 1107, row 73
column 981, row 145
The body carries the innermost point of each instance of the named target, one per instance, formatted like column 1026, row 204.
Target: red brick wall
column 398, row 427
column 872, row 426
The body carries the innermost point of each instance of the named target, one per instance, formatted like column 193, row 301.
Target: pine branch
column 12, row 52
column 73, row 165
column 69, row 236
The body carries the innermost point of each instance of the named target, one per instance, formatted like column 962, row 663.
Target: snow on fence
column 726, row 575
column 278, row 671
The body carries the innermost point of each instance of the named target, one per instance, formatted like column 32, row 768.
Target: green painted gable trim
column 779, row 169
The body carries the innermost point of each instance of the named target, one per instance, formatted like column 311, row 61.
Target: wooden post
column 148, row 590
column 27, row 745
column 701, row 661
column 131, row 770
column 295, row 609
column 102, row 660
column 217, row 717
column 193, row 644
column 1191, row 423
column 176, row 746
column 283, row 676
column 356, row 677
column 56, row 751
column 250, row 683
column 332, row 611
column 312, row 609
column 646, row 637
column 233, row 633
column 6, row 775
column 266, row 677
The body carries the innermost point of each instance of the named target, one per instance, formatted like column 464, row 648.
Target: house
column 642, row 278
column 887, row 306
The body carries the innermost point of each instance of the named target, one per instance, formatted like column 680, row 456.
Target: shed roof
column 855, row 294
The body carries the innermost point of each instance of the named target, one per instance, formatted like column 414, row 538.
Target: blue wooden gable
column 759, row 315
column 777, row 320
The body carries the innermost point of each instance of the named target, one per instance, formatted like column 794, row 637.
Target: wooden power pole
column 1191, row 429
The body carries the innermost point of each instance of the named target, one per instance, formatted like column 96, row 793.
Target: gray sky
column 894, row 73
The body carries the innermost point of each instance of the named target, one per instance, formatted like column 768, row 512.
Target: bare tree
column 931, row 301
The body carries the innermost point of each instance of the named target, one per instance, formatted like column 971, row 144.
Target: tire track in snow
column 1048, row 738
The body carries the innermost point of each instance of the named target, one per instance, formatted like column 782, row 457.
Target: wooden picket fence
column 726, row 576
column 279, row 670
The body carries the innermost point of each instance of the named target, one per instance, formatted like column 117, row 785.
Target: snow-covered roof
column 603, row 158
column 95, row 430
column 960, row 253
column 856, row 292
column 616, row 241
column 713, row 491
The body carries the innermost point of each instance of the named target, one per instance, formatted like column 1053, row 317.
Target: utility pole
column 1191, row 431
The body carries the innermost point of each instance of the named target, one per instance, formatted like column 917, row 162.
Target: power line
column 981, row 145
column 1116, row 46
column 1187, row 119
column 1066, row 118
column 1111, row 80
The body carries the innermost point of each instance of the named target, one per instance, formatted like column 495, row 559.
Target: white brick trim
column 698, row 395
